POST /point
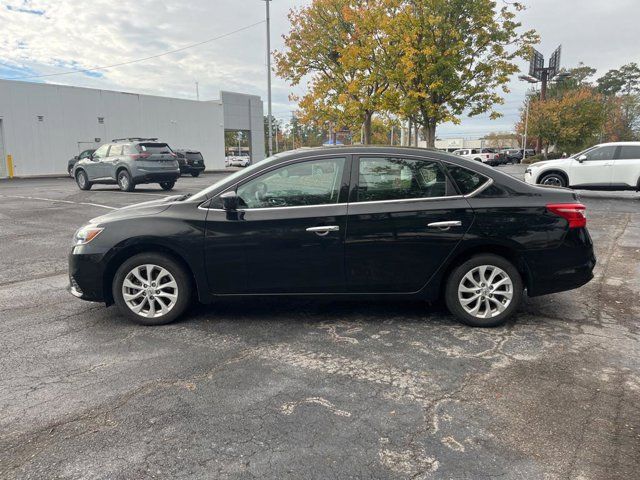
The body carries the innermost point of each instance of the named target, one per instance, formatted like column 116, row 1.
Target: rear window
column 194, row 156
column 155, row 148
column 466, row 180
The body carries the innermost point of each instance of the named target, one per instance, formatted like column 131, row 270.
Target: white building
column 43, row 125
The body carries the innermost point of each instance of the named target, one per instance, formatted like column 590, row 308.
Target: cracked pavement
column 310, row 389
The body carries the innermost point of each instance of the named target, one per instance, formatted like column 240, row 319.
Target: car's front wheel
column 83, row 180
column 484, row 291
column 167, row 185
column 553, row 180
column 125, row 182
column 151, row 289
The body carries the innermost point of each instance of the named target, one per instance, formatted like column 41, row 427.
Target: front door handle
column 323, row 230
column 445, row 225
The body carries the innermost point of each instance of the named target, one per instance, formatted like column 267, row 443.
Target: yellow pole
column 10, row 166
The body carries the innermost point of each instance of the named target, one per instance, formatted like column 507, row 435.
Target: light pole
column 526, row 126
column 269, row 78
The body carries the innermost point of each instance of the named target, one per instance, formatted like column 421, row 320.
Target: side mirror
column 229, row 201
column 582, row 158
column 76, row 157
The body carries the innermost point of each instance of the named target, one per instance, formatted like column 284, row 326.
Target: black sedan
column 342, row 222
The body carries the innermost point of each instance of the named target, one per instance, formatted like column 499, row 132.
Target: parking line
column 60, row 201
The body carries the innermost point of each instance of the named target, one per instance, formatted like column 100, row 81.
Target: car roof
column 609, row 144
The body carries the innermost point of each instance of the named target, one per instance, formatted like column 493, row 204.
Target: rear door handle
column 445, row 225
column 323, row 230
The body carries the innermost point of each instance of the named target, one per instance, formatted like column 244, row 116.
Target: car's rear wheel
column 167, row 185
column 553, row 179
column 484, row 291
column 195, row 174
column 151, row 289
column 83, row 180
column 125, row 182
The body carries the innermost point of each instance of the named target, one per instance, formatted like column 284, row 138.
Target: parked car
column 484, row 155
column 129, row 162
column 238, row 161
column 512, row 155
column 422, row 225
column 608, row 166
column 190, row 161
column 74, row 160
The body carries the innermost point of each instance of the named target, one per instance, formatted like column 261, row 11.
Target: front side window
column 630, row 152
column 101, row 152
column 313, row 182
column 602, row 153
column 467, row 180
column 390, row 178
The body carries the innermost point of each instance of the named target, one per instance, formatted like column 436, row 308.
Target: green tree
column 625, row 80
column 450, row 57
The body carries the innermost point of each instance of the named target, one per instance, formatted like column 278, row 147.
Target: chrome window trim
column 472, row 194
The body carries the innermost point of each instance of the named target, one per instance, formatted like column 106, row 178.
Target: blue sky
column 49, row 36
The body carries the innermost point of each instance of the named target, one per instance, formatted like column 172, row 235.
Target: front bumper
column 86, row 273
column 528, row 177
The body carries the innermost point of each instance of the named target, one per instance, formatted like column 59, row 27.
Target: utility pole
column 269, row 78
column 197, row 92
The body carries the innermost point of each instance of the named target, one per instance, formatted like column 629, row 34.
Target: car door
column 287, row 235
column 95, row 168
column 593, row 168
column 405, row 218
column 109, row 163
column 626, row 166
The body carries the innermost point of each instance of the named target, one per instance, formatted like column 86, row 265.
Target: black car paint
column 382, row 248
column 187, row 159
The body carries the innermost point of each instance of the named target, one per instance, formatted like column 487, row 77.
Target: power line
column 140, row 59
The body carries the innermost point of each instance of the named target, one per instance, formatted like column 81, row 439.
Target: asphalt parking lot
column 304, row 389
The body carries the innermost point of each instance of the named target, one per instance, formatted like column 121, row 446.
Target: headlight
column 86, row 234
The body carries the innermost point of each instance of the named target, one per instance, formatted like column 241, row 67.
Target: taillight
column 574, row 213
column 139, row 156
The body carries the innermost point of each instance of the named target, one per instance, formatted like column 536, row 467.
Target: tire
column 175, row 275
column 460, row 287
column 195, row 174
column 83, row 180
column 125, row 182
column 553, row 179
column 167, row 185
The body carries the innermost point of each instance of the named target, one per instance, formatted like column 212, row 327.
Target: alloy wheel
column 485, row 291
column 552, row 180
column 150, row 291
column 124, row 181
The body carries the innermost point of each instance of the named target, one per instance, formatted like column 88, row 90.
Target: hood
column 558, row 162
column 143, row 209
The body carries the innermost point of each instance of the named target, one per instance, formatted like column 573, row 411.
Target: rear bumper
column 564, row 268
column 143, row 176
column 191, row 168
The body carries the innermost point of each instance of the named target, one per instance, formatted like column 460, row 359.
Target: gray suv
column 128, row 162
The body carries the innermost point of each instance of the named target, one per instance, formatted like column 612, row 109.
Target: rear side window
column 155, row 148
column 399, row 178
column 115, row 150
column 630, row 152
column 194, row 156
column 467, row 180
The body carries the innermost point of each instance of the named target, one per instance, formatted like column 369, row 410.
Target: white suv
column 608, row 166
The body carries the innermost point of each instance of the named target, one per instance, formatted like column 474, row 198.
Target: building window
column 100, row 119
column 41, row 118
